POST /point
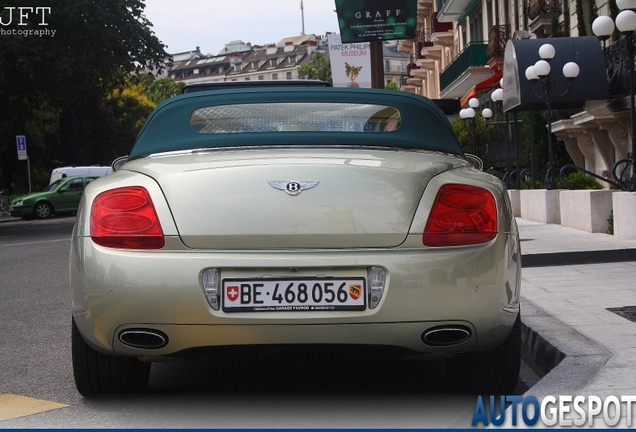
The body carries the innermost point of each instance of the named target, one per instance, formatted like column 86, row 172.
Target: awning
column 481, row 88
column 520, row 94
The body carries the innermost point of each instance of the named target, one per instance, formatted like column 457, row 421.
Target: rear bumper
column 403, row 335
column 115, row 290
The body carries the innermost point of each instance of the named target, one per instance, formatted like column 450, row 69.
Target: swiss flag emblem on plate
column 232, row 293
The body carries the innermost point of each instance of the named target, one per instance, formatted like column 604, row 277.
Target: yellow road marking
column 13, row 406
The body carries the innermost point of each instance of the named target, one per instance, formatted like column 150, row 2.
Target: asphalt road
column 279, row 390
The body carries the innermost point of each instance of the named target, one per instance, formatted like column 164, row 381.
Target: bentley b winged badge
column 293, row 187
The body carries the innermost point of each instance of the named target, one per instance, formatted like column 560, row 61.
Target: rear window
column 295, row 117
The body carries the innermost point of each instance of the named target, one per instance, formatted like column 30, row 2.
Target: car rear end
column 348, row 239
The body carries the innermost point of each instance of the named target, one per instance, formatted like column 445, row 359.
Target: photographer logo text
column 25, row 21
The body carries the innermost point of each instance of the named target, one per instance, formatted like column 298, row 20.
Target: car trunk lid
column 291, row 198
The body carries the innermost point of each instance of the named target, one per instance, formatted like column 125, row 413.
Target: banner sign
column 369, row 20
column 350, row 63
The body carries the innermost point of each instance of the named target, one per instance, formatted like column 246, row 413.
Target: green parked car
column 61, row 196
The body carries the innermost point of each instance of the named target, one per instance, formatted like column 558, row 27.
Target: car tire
column 490, row 372
column 42, row 210
column 98, row 374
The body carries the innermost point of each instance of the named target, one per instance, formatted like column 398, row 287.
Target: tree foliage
column 54, row 86
column 157, row 90
column 464, row 132
column 129, row 107
column 317, row 67
column 534, row 125
column 131, row 104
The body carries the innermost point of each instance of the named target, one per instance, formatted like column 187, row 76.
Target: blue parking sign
column 20, row 141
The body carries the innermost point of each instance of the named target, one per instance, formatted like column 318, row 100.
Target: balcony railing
column 424, row 37
column 498, row 36
column 472, row 56
column 536, row 8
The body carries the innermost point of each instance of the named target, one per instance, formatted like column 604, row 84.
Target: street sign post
column 20, row 141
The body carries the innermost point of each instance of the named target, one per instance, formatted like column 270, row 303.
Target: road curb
column 551, row 348
column 8, row 219
column 565, row 359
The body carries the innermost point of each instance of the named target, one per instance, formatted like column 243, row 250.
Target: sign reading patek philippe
column 369, row 20
column 350, row 63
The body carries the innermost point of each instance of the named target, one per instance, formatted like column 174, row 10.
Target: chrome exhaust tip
column 446, row 335
column 143, row 338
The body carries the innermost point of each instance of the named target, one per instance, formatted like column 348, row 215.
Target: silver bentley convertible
column 260, row 217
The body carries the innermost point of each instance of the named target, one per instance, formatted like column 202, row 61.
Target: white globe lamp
column 626, row 21
column 542, row 68
column 603, row 27
column 571, row 70
column 531, row 74
column 547, row 52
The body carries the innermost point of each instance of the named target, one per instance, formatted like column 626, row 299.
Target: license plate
column 293, row 295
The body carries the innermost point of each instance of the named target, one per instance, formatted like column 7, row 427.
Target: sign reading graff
column 369, row 20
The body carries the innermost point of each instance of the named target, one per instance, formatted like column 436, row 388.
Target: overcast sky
column 210, row 24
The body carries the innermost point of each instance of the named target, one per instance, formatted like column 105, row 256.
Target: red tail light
column 461, row 215
column 126, row 218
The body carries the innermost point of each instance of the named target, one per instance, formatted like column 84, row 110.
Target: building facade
column 239, row 61
column 459, row 52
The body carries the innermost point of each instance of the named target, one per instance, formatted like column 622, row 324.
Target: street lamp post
column 486, row 113
column 497, row 97
column 540, row 72
column 603, row 27
column 469, row 114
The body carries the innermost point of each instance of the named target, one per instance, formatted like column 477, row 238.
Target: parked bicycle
column 4, row 204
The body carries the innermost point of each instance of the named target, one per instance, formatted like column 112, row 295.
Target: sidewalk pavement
column 8, row 218
column 571, row 279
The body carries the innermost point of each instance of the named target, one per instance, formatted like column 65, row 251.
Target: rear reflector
column 377, row 283
column 461, row 215
column 126, row 218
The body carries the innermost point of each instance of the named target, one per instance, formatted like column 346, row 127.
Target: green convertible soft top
column 293, row 116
